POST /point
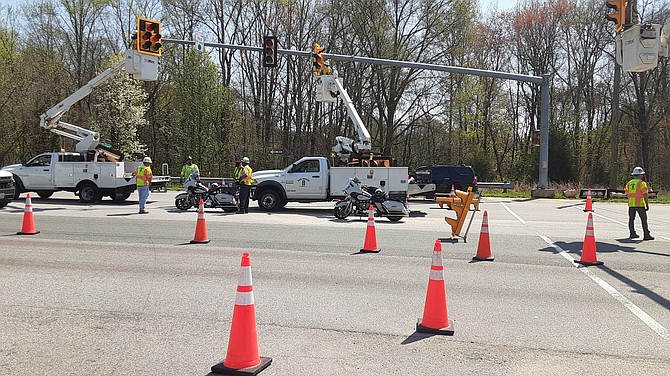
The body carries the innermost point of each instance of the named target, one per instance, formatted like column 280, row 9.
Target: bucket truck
column 93, row 170
column 314, row 179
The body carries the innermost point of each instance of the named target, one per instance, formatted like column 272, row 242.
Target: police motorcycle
column 360, row 196
column 213, row 197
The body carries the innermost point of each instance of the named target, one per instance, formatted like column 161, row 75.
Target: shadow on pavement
column 638, row 288
column 576, row 248
column 415, row 337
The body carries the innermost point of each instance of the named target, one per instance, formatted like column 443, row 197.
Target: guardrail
column 493, row 185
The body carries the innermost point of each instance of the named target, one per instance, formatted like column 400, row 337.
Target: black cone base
column 370, row 250
column 28, row 233
column 220, row 369
column 199, row 241
column 448, row 331
column 482, row 258
column 586, row 263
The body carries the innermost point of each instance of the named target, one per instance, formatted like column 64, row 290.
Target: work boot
column 648, row 237
column 633, row 236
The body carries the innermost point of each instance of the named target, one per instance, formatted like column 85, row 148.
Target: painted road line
column 637, row 311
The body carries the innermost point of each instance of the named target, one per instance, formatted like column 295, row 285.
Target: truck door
column 38, row 173
column 306, row 180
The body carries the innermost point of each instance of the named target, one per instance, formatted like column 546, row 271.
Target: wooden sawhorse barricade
column 461, row 207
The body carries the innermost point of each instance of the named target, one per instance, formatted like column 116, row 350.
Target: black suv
column 443, row 176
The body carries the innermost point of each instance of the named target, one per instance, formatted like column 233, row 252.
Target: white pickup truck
column 312, row 179
column 51, row 172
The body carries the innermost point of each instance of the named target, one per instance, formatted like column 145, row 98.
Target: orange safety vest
column 635, row 191
column 143, row 175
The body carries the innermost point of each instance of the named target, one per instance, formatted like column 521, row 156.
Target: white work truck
column 95, row 170
column 51, row 172
column 312, row 179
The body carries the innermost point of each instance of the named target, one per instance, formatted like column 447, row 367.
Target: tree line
column 220, row 105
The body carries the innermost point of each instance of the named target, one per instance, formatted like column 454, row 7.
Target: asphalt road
column 103, row 290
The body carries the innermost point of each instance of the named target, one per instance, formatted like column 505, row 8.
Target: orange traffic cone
column 435, row 315
column 28, row 227
column 201, row 226
column 589, row 204
column 484, row 247
column 453, row 192
column 370, row 245
column 242, row 355
column 589, row 248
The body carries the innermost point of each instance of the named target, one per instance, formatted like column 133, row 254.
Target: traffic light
column 619, row 14
column 149, row 37
column 318, row 61
column 269, row 51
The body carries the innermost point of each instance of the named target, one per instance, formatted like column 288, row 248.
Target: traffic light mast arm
column 51, row 118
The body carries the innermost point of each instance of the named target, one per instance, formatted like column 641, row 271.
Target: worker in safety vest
column 638, row 202
column 143, row 175
column 189, row 168
column 246, row 180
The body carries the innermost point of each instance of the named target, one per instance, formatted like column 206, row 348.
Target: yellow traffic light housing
column 149, row 39
column 269, row 51
column 619, row 14
column 318, row 61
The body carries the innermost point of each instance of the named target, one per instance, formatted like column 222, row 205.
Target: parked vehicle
column 311, row 179
column 214, row 196
column 360, row 196
column 461, row 177
column 6, row 188
column 51, row 172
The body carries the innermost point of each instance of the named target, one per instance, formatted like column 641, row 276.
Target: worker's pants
column 143, row 191
column 643, row 218
column 245, row 190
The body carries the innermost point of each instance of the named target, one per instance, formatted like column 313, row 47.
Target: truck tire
column 89, row 193
column 3, row 203
column 118, row 197
column 45, row 194
column 394, row 219
column 18, row 187
column 270, row 200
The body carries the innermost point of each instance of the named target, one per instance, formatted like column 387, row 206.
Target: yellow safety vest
column 246, row 175
column 237, row 174
column 143, row 175
column 635, row 190
column 187, row 170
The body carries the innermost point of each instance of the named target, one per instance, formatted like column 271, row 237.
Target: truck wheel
column 45, row 194
column 89, row 193
column 3, row 203
column 118, row 197
column 270, row 200
column 394, row 219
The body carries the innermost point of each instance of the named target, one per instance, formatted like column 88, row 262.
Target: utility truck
column 313, row 179
column 94, row 170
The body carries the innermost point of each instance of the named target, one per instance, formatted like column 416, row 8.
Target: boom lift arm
column 141, row 67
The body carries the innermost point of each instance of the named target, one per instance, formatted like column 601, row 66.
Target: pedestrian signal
column 269, row 51
column 149, row 40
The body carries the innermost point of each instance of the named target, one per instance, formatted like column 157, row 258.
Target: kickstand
column 465, row 240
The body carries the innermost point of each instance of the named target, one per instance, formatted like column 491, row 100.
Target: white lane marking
column 513, row 213
column 637, row 311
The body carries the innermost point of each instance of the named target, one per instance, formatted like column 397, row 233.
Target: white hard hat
column 245, row 160
column 637, row 171
column 146, row 160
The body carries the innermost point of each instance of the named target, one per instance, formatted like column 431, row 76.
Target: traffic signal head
column 149, row 40
column 619, row 14
column 318, row 61
column 269, row 51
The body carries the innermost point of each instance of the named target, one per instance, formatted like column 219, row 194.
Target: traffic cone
column 28, row 227
column 201, row 226
column 435, row 315
column 453, row 192
column 589, row 248
column 242, row 355
column 484, row 247
column 370, row 245
column 589, row 204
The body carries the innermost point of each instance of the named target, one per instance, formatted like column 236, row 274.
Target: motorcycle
column 359, row 197
column 213, row 197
